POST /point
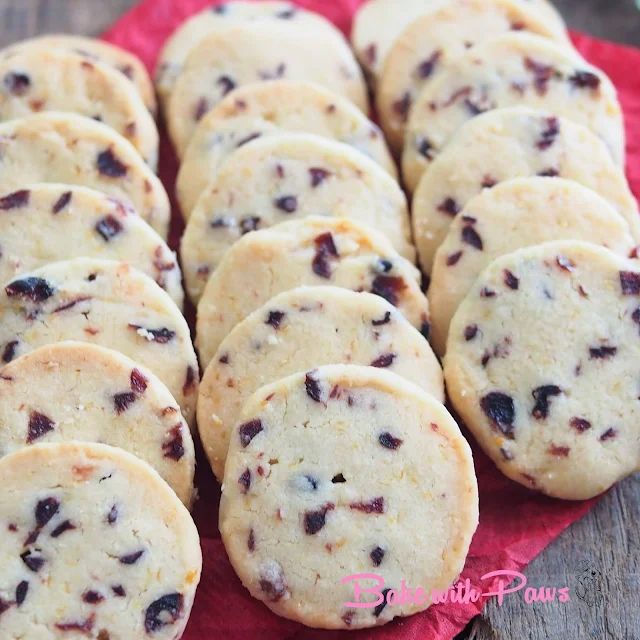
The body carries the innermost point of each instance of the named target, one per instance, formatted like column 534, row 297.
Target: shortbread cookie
column 106, row 303
column 93, row 49
column 44, row 223
column 78, row 391
column 94, row 545
column 516, row 69
column 516, row 214
column 542, row 365
column 71, row 149
column 379, row 23
column 505, row 144
column 49, row 79
column 313, row 252
column 255, row 52
column 267, row 108
column 429, row 44
column 301, row 329
column 291, row 176
column 350, row 466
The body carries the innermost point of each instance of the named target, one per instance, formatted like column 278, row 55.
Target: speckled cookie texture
column 107, row 303
column 255, row 52
column 340, row 471
column 542, row 366
column 505, row 144
column 309, row 252
column 93, row 49
column 516, row 69
column 286, row 177
column 429, row 44
column 78, row 391
column 71, row 149
column 516, row 214
column 47, row 222
column 301, row 329
column 37, row 79
column 267, row 108
column 94, row 545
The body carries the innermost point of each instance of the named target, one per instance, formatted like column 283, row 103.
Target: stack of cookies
column 99, row 376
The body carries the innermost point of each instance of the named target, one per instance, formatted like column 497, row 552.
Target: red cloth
column 515, row 524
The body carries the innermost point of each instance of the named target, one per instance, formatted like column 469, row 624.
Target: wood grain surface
column 598, row 558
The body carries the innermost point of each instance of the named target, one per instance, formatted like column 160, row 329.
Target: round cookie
column 93, row 49
column 44, row 223
column 515, row 214
column 70, row 149
column 510, row 143
column 379, row 23
column 94, row 544
column 350, row 466
column 106, row 303
column 301, row 329
column 284, row 177
column 309, row 252
column 542, row 366
column 78, row 391
column 35, row 79
column 516, row 69
column 255, row 52
column 429, row 44
column 267, row 108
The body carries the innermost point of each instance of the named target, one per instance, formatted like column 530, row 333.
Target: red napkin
column 515, row 524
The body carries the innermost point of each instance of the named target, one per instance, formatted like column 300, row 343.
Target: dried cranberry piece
column 542, row 395
column 131, row 558
column 249, row 224
column 32, row 561
column 377, row 555
column 67, row 525
column 470, row 332
column 388, row 441
column 224, row 358
column 163, row 611
column 454, row 258
column 4, row 606
column 376, row 505
column 109, row 165
column 402, row 106
column 471, row 237
column 122, row 401
column 21, row 592
column 272, row 581
column 602, row 353
column 314, row 521
column 542, row 74
column 118, row 590
column 108, row 228
column 425, row 148
column 45, row 510
column 426, row 67
column 201, row 108
column 549, row 173
column 251, row 541
column 92, row 597
column 585, row 80
column 288, row 204
column 85, row 626
column 384, row 361
column 450, row 207
column 383, row 265
column 325, row 251
column 138, row 381
column 511, row 280
column 389, row 288
column 549, row 134
column 500, row 410
column 318, row 176
column 9, row 351
column 559, row 451
column 249, row 430
column 487, row 293
column 380, row 608
column 245, row 480
column 275, row 318
column 39, row 424
column 385, row 320
column 174, row 447
column 630, row 283
column 609, row 434
column 31, row 288
column 580, row 424
column 113, row 514
column 61, row 202
column 313, row 388
column 226, row 84
column 15, row 200
column 488, row 182
column 18, row 84
column 161, row 336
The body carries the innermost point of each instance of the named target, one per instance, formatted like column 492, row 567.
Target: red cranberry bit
column 85, row 627
column 549, row 173
column 511, row 280
column 108, row 165
column 380, row 608
column 113, row 514
column 15, row 200
column 65, row 526
column 39, row 424
column 450, row 207
column 122, row 401
column 488, row 182
column 609, row 434
column 454, row 258
column 630, row 283
column 425, row 148
column 275, row 319
column 542, row 395
column 385, row 320
column 388, row 441
column 131, row 558
column 118, row 590
column 251, row 541
column 226, row 84
column 470, row 332
column 4, row 606
column 338, row 479
column 224, row 358
column 580, row 424
column 471, row 237
column 318, row 176
column 314, row 521
column 108, row 228
column 189, row 381
column 313, row 388
column 249, row 224
column 33, row 289
column 487, row 293
column 249, row 430
column 500, row 410
column 384, row 361
column 542, row 74
column 373, row 506
column 389, row 288
column 9, row 351
column 347, row 617
column 427, row 67
column 18, row 84
column 161, row 336
column 222, row 222
column 45, row 510
column 245, row 481
column 272, row 581
column 585, row 80
column 32, row 562
column 549, row 134
column 92, row 597
column 377, row 555
column 173, row 448
column 602, row 353
column 138, row 381
column 325, row 251
column 21, row 592
column 288, row 204
column 201, row 108
column 402, row 106
column 566, row 264
column 164, row 611
column 559, row 452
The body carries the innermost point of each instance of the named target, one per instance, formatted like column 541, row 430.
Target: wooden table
column 598, row 557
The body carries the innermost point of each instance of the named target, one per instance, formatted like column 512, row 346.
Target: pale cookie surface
column 427, row 47
column 512, row 143
column 78, row 391
column 516, row 214
column 93, row 49
column 542, row 365
column 341, row 471
column 310, row 252
column 255, row 52
column 94, row 545
column 516, row 69
column 285, row 177
column 268, row 108
column 298, row 330
column 71, row 149
column 106, row 303
column 37, row 79
column 44, row 223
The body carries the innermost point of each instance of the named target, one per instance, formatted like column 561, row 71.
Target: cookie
column 35, row 79
column 78, row 391
column 505, row 144
column 429, row 44
column 551, row 394
column 309, row 252
column 93, row 49
column 94, row 544
column 278, row 340
column 515, row 214
column 284, row 177
column 70, row 149
column 44, row 223
column 350, row 466
column 255, row 52
column 267, row 108
column 516, row 69
column 379, row 23
column 106, row 303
